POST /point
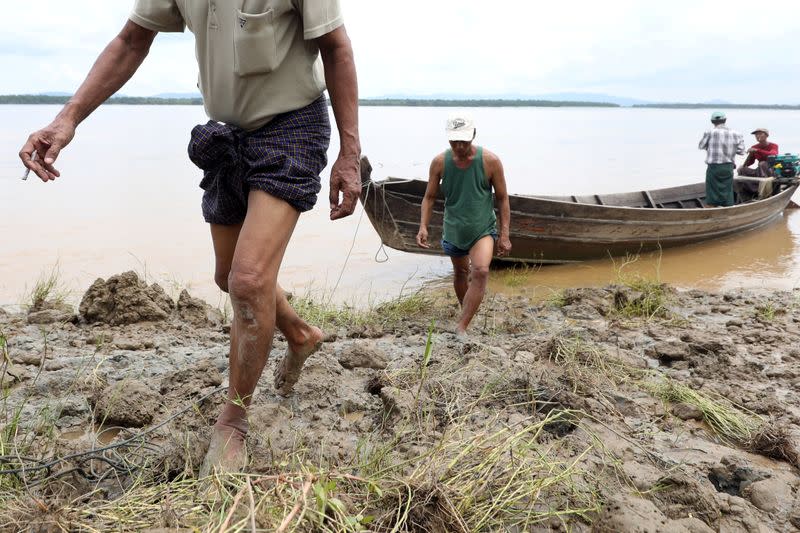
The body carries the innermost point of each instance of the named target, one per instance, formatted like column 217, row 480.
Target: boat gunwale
column 793, row 187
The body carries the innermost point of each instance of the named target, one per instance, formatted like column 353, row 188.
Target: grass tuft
column 517, row 275
column 730, row 423
column 386, row 315
column 640, row 297
column 588, row 367
column 557, row 298
column 47, row 289
column 496, row 480
column 766, row 312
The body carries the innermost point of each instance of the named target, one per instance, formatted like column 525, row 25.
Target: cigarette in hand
column 27, row 169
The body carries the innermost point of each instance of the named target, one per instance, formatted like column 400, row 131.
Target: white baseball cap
column 460, row 127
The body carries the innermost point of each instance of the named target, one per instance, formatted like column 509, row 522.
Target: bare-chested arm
column 431, row 192
column 497, row 177
column 114, row 67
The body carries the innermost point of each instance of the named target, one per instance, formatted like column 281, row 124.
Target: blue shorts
column 452, row 250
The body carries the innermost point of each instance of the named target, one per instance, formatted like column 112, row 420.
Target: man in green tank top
column 466, row 175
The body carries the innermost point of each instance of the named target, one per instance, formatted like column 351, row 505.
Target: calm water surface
column 128, row 199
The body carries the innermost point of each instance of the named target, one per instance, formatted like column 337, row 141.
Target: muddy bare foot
column 226, row 454
column 289, row 368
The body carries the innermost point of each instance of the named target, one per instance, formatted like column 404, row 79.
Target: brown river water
column 128, row 200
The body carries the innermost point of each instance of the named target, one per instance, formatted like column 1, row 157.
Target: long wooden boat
column 562, row 229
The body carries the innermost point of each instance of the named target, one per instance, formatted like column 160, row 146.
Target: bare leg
column 460, row 276
column 765, row 171
column 252, row 284
column 303, row 339
column 480, row 256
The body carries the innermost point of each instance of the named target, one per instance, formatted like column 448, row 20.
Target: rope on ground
column 122, row 465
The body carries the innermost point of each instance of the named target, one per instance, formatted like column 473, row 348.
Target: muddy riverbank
column 631, row 407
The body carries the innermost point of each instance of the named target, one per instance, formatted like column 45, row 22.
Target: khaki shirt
column 256, row 57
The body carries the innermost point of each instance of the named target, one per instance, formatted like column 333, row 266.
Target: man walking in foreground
column 262, row 76
column 467, row 174
column 722, row 146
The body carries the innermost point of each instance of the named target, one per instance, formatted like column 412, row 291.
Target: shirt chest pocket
column 255, row 44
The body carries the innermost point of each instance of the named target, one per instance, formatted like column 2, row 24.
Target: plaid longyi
column 283, row 158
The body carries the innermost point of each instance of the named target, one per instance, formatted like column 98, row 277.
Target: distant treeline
column 395, row 102
column 399, row 102
column 421, row 102
column 718, row 106
column 120, row 100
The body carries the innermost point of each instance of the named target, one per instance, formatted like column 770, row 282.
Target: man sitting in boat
column 759, row 152
column 722, row 145
column 467, row 174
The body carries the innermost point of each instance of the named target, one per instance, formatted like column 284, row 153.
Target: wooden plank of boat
column 559, row 229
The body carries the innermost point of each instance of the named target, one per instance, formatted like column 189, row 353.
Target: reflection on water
column 123, row 205
column 767, row 257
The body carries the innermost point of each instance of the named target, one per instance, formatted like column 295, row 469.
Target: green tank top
column 468, row 204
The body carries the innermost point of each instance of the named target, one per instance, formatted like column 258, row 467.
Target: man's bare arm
column 113, row 68
column 431, row 192
column 340, row 76
column 498, row 180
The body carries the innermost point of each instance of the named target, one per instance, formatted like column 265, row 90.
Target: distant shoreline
column 422, row 102
column 718, row 106
column 28, row 99
column 31, row 99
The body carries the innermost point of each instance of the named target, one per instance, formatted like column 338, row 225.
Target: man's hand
column 503, row 246
column 345, row 179
column 47, row 143
column 422, row 238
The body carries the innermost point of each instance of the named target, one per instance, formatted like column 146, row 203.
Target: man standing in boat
column 466, row 174
column 262, row 76
column 722, row 145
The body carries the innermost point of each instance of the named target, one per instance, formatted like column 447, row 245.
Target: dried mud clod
column 51, row 312
column 196, row 312
column 128, row 403
column 678, row 495
column 125, row 299
column 192, row 379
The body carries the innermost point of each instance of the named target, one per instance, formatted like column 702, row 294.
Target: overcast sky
column 682, row 50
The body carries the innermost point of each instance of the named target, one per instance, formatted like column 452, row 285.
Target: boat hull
column 565, row 229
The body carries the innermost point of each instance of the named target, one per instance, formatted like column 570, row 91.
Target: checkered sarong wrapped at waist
column 283, row 158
